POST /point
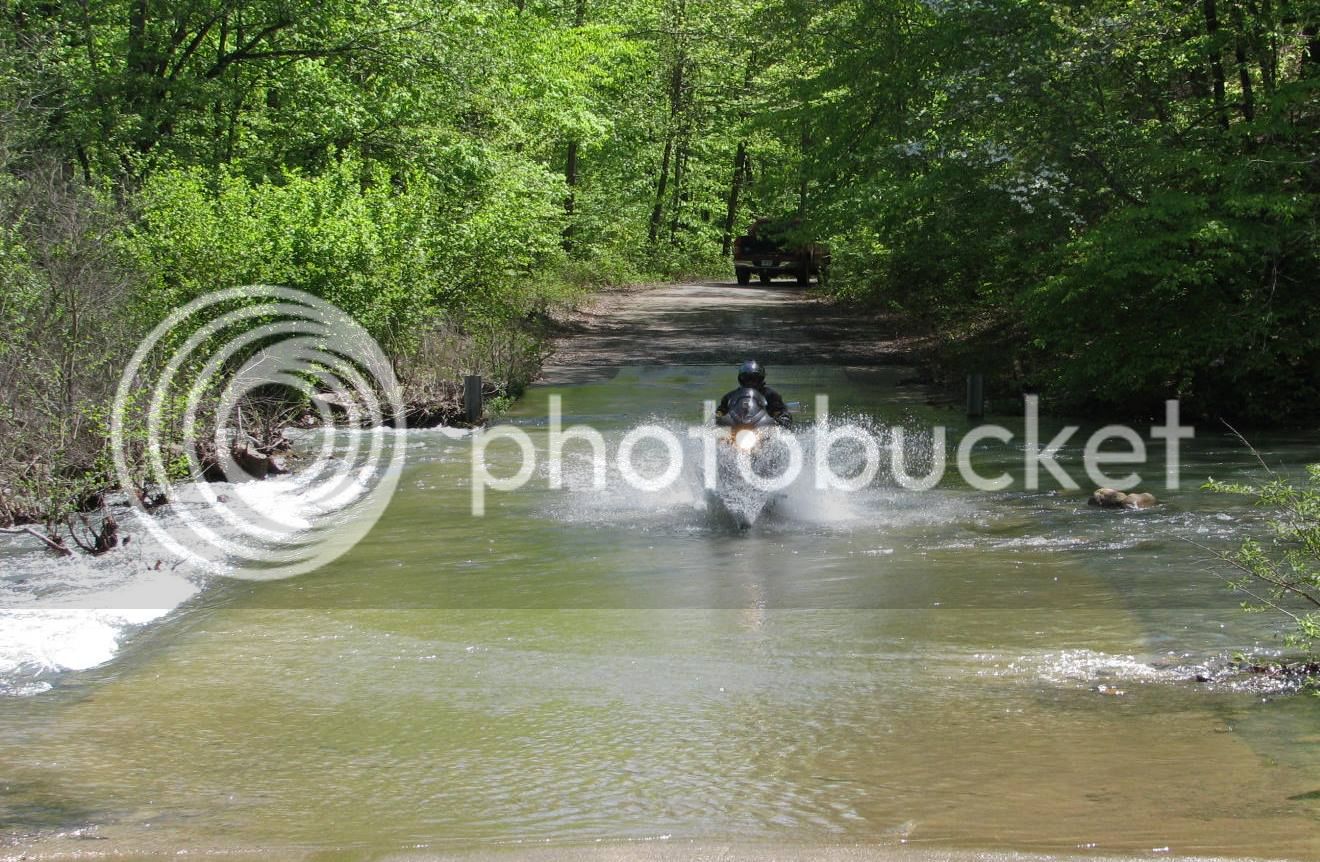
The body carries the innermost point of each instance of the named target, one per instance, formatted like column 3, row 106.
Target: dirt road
column 719, row 323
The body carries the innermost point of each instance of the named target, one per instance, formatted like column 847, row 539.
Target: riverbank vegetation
column 1280, row 574
column 444, row 173
column 1114, row 202
column 1118, row 199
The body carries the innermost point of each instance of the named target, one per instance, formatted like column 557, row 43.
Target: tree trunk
column 136, row 57
column 735, row 189
column 675, row 109
column 571, row 156
column 1244, row 69
column 1311, row 56
column 802, row 171
column 657, row 214
column 570, row 202
column 680, row 170
column 1216, row 65
column 741, row 164
column 141, row 86
column 1263, row 42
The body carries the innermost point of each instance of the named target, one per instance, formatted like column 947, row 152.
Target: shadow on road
column 719, row 323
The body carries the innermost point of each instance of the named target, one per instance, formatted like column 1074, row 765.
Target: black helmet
column 751, row 374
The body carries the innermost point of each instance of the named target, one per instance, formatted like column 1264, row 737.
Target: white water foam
column 75, row 613
column 1081, row 667
column 80, row 628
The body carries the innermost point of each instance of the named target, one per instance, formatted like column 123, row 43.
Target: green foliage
column 1176, row 299
column 391, row 251
column 1122, row 192
column 1283, row 573
column 1130, row 188
column 501, row 138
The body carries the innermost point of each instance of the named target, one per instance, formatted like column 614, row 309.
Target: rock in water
column 254, row 464
column 1109, row 498
column 1139, row 501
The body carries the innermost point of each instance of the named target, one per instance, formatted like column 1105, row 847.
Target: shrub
column 1282, row 573
column 63, row 289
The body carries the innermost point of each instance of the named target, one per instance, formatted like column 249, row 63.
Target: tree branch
column 244, row 51
column 52, row 543
column 193, row 45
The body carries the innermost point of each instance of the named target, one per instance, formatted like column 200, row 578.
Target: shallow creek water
column 947, row 668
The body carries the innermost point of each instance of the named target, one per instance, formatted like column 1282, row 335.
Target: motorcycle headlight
column 746, row 439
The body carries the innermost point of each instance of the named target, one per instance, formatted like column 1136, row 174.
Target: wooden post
column 472, row 406
column 976, row 395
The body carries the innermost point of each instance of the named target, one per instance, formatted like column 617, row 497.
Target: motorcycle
column 751, row 437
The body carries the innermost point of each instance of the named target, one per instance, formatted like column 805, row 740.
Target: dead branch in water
column 96, row 540
column 52, row 542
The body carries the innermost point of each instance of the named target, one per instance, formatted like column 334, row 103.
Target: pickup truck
column 765, row 252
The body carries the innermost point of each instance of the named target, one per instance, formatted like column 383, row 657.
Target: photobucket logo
column 187, row 389
column 727, row 454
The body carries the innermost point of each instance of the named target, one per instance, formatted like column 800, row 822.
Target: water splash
column 809, row 501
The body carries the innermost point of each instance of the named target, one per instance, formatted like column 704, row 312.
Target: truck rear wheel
column 744, row 274
column 765, row 278
column 804, row 276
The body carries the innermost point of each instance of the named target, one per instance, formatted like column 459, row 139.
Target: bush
column 390, row 251
column 1282, row 574
column 63, row 289
column 1178, row 298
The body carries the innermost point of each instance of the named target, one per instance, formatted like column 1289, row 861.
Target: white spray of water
column 808, row 501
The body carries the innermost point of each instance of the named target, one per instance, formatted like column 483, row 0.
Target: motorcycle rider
column 751, row 374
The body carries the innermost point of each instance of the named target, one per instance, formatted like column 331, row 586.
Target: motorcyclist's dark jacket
column 775, row 405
